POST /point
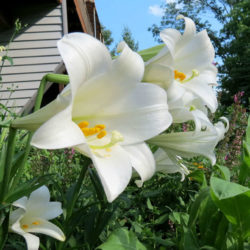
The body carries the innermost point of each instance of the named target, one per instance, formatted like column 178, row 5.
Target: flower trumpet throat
column 99, row 131
column 182, row 77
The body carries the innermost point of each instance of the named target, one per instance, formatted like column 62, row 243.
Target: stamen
column 108, row 149
column 179, row 75
column 25, row 226
column 195, row 73
column 116, row 137
column 83, row 124
column 101, row 126
column 36, row 223
column 101, row 134
column 90, row 131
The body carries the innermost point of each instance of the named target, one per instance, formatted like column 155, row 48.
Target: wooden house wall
column 34, row 54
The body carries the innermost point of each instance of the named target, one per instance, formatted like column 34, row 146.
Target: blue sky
column 138, row 15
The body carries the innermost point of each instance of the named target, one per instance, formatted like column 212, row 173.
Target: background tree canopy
column 231, row 41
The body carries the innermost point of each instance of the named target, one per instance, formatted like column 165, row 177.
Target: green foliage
column 107, row 36
column 234, row 201
column 122, row 239
column 149, row 53
column 127, row 37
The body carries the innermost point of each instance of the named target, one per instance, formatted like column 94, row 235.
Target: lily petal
column 190, row 28
column 196, row 54
column 169, row 165
column 114, row 170
column 58, row 132
column 127, row 70
column 159, row 74
column 142, row 161
column 170, row 37
column 45, row 227
column 32, row 241
column 36, row 119
column 84, row 57
column 22, row 203
column 189, row 144
column 204, row 91
column 138, row 116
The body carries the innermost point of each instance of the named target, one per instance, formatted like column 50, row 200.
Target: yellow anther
column 101, row 134
column 25, row 226
column 101, row 126
column 36, row 223
column 90, row 131
column 200, row 167
column 196, row 164
column 179, row 75
column 83, row 124
column 108, row 149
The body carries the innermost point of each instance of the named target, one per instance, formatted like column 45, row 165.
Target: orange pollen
column 35, row 223
column 97, row 129
column 179, row 75
column 200, row 167
column 83, row 124
column 100, row 126
column 101, row 134
column 25, row 226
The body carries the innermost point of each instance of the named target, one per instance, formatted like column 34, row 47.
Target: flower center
column 181, row 77
column 35, row 223
column 97, row 130
column 99, row 133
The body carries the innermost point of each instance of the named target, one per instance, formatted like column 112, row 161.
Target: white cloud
column 178, row 6
column 170, row 1
column 156, row 10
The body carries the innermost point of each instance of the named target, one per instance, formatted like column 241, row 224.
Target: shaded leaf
column 122, row 239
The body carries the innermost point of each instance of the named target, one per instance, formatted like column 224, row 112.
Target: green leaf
column 149, row 204
column 189, row 240
column 179, row 218
column 199, row 176
column 151, row 52
column 28, row 187
column 234, row 201
column 122, row 239
column 248, row 131
column 8, row 58
column 245, row 164
column 194, row 212
column 225, row 172
column 164, row 242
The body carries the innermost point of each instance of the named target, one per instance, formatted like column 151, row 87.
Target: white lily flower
column 106, row 113
column 169, row 164
column 33, row 215
column 185, row 64
column 190, row 144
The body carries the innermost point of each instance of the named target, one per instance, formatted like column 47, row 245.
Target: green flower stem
column 8, row 163
column 56, row 78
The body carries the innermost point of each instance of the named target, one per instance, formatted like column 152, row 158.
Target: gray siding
column 34, row 54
